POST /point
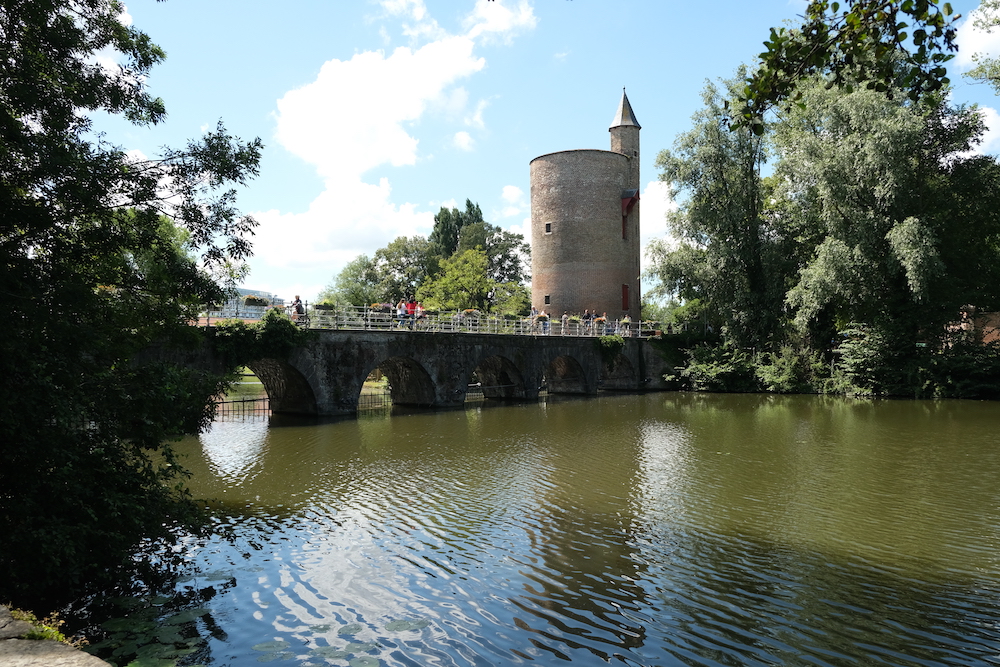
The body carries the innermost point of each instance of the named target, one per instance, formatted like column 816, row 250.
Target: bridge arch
column 566, row 375
column 287, row 388
column 501, row 379
column 619, row 375
column 409, row 382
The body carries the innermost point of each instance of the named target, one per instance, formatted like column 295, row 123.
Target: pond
column 657, row 529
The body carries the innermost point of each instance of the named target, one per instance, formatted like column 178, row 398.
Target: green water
column 644, row 530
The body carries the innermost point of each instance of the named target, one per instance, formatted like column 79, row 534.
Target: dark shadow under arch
column 410, row 384
column 500, row 378
column 565, row 375
column 288, row 390
column 619, row 375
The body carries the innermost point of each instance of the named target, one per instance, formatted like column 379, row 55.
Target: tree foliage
column 465, row 282
column 411, row 265
column 729, row 252
column 987, row 69
column 99, row 255
column 855, row 43
column 878, row 226
column 357, row 283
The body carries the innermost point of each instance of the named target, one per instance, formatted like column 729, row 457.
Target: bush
column 722, row 368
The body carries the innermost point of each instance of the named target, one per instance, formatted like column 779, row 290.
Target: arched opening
column 405, row 382
column 565, row 375
column 496, row 378
column 288, row 390
column 619, row 375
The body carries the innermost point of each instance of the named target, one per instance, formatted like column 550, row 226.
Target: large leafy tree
column 356, row 284
column 877, row 44
column 448, row 224
column 506, row 252
column 728, row 255
column 903, row 219
column 403, row 265
column 93, row 276
column 464, row 282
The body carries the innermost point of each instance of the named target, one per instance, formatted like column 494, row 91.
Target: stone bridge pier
column 425, row 369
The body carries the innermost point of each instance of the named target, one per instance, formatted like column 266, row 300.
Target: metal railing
column 367, row 318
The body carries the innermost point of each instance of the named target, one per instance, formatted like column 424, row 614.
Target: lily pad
column 365, row 661
column 350, row 629
column 276, row 645
column 270, row 657
column 402, row 626
column 185, row 616
column 358, row 647
column 152, row 662
column 330, row 653
column 127, row 625
column 320, row 628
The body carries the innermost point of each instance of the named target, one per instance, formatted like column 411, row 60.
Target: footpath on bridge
column 17, row 652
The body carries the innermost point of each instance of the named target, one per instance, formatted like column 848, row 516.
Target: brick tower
column 585, row 247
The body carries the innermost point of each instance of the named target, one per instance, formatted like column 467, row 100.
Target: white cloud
column 972, row 40
column 512, row 194
column 655, row 203
column 496, row 21
column 514, row 197
column 463, row 141
column 351, row 118
column 991, row 138
column 360, row 114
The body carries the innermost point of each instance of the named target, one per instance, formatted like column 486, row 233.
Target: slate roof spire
column 624, row 115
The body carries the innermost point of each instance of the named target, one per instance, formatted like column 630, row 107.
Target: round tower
column 585, row 247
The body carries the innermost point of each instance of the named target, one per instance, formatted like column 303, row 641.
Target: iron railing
column 367, row 318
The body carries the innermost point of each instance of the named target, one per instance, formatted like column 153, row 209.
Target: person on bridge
column 401, row 312
column 411, row 310
column 297, row 308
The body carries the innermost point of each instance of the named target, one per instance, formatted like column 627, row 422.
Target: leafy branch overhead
column 880, row 44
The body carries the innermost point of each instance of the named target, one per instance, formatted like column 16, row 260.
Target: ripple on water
column 646, row 530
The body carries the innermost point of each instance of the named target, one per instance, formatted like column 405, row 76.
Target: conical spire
column 624, row 116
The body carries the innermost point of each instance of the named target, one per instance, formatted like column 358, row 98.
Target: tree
column 356, row 284
column 448, row 227
column 727, row 255
column 464, row 283
column 506, row 252
column 891, row 46
column 905, row 228
column 987, row 69
column 403, row 265
column 93, row 276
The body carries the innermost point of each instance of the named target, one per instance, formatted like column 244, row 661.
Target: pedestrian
column 565, row 323
column 401, row 313
column 297, row 308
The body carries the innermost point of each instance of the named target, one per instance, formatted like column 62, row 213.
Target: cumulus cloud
column 463, row 141
column 655, row 202
column 360, row 114
column 496, row 21
column 513, row 197
column 973, row 40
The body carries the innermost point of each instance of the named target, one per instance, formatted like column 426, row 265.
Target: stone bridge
column 425, row 369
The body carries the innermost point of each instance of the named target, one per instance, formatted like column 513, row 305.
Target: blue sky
column 374, row 114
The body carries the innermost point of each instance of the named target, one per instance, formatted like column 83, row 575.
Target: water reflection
column 646, row 530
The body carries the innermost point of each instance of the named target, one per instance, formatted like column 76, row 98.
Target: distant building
column 585, row 248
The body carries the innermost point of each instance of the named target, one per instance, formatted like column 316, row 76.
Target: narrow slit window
column 624, row 297
column 548, row 227
column 548, row 299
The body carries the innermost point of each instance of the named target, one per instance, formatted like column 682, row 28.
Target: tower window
column 548, row 227
column 548, row 299
column 624, row 297
column 624, row 227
